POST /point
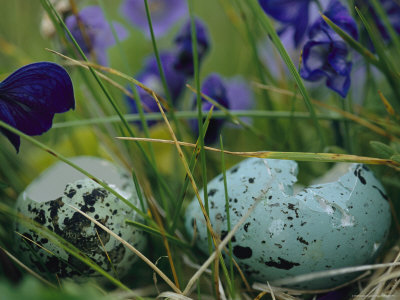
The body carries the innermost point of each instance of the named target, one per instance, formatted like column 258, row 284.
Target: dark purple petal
column 98, row 34
column 240, row 95
column 339, row 83
column 164, row 14
column 150, row 77
column 313, row 62
column 325, row 54
column 339, row 15
column 392, row 10
column 183, row 41
column 293, row 13
column 214, row 87
column 31, row 96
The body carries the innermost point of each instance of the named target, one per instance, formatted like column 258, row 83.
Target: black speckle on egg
column 357, row 173
column 282, row 264
column 251, row 180
column 384, row 196
column 41, row 217
column 246, row 226
column 301, row 240
column 212, row 192
column 234, row 170
column 242, row 252
column 69, row 192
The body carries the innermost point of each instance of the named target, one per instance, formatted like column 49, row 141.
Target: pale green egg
column 46, row 200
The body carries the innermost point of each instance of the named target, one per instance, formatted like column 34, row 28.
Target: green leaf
column 382, row 149
column 3, row 185
column 396, row 158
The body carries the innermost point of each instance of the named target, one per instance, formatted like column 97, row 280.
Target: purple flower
column 31, row 96
column 97, row 35
column 164, row 14
column 392, row 10
column 214, row 87
column 150, row 77
column 183, row 41
column 325, row 53
column 239, row 95
column 292, row 13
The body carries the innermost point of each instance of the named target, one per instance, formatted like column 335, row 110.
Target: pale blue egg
column 322, row 227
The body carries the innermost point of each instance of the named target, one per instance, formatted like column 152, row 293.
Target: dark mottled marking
column 234, row 170
column 365, row 168
column 235, row 200
column 381, row 192
column 40, row 218
column 79, row 186
column 269, row 197
column 242, row 252
column 278, row 245
column 301, row 240
column 262, row 242
column 225, row 233
column 303, row 223
column 357, row 173
column 290, row 218
column 114, row 212
column 246, row 226
column 212, row 192
column 251, row 180
column 282, row 264
column 291, row 206
column 71, row 193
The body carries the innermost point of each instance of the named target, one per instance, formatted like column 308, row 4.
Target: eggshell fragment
column 323, row 227
column 46, row 200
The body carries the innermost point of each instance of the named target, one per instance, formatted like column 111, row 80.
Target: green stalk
column 157, row 232
column 199, row 112
column 139, row 106
column 392, row 77
column 228, row 219
column 192, row 164
column 394, row 37
column 162, row 73
column 192, row 114
column 76, row 167
column 266, row 23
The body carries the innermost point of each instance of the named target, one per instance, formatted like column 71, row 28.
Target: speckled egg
column 46, row 201
column 325, row 226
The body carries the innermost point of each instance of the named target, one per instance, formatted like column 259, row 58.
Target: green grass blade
column 156, row 232
column 392, row 77
column 76, row 167
column 267, row 25
column 368, row 55
column 161, row 70
column 228, row 219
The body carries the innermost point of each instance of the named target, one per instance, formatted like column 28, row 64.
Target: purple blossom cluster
column 325, row 56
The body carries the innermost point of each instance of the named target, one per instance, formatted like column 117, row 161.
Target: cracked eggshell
column 46, row 201
column 323, row 227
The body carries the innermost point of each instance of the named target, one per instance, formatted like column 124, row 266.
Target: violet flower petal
column 183, row 41
column 31, row 96
column 293, row 13
column 98, row 31
column 164, row 14
column 214, row 87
